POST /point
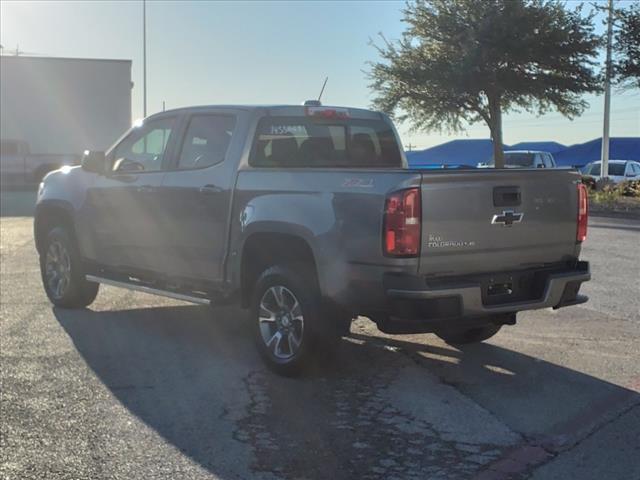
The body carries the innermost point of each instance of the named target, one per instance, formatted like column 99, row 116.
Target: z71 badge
column 358, row 182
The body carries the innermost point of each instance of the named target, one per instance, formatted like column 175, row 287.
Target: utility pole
column 144, row 58
column 604, row 166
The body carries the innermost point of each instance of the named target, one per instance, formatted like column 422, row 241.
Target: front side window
column 308, row 142
column 206, row 141
column 144, row 148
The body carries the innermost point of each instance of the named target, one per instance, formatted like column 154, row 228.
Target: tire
column 62, row 272
column 286, row 313
column 471, row 335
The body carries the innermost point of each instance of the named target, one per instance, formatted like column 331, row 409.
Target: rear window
column 306, row 142
column 519, row 159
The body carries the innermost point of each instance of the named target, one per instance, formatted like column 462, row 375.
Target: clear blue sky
column 260, row 52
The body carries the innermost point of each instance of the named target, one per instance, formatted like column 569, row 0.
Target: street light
column 144, row 58
column 604, row 164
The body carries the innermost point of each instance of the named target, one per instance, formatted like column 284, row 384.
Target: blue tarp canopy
column 620, row 148
column 471, row 152
column 456, row 152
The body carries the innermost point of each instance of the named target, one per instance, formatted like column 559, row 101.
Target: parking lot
column 142, row 387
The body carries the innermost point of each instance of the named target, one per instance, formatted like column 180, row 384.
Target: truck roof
column 278, row 110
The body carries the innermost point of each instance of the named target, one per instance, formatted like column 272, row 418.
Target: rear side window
column 306, row 142
column 616, row 169
column 206, row 141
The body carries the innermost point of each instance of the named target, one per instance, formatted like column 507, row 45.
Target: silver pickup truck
column 19, row 167
column 309, row 216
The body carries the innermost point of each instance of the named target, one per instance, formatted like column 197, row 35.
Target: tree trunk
column 496, row 131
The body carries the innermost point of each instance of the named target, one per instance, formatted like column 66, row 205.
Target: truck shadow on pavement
column 383, row 407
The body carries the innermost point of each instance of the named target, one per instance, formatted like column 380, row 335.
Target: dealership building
column 64, row 105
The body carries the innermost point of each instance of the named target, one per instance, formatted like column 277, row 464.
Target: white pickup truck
column 19, row 167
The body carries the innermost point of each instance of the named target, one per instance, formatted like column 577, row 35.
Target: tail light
column 402, row 219
column 583, row 213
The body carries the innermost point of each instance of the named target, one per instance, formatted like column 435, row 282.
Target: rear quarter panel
column 337, row 212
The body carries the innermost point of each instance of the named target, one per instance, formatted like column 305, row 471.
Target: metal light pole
column 144, row 58
column 604, row 166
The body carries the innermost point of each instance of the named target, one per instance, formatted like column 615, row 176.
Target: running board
column 152, row 291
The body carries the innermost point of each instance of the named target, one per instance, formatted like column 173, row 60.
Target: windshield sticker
column 287, row 130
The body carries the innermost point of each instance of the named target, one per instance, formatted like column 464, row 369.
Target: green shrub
column 630, row 188
column 607, row 196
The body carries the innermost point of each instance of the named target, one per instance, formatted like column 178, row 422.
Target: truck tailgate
column 484, row 221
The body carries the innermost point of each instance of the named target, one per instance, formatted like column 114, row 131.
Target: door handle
column 145, row 189
column 506, row 196
column 210, row 190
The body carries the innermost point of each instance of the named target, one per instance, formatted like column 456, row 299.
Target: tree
column 627, row 45
column 464, row 61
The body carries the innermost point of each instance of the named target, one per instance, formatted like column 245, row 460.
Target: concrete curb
column 563, row 437
column 631, row 215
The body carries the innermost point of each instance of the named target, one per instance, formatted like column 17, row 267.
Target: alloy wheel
column 57, row 269
column 281, row 322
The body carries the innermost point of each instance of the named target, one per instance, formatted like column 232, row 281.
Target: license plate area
column 514, row 287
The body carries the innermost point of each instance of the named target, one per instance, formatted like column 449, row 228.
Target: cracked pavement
column 142, row 387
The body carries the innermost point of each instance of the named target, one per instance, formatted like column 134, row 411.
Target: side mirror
column 94, row 162
column 124, row 165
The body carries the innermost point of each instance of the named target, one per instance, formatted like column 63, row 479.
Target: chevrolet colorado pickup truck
column 309, row 216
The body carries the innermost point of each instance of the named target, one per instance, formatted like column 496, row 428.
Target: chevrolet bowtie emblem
column 507, row 218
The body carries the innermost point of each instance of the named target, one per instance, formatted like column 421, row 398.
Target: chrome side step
column 152, row 291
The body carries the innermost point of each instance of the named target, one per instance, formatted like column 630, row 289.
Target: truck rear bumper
column 558, row 288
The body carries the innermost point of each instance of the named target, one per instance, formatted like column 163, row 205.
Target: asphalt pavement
column 137, row 386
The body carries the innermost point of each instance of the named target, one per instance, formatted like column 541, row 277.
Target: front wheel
column 471, row 335
column 287, row 315
column 62, row 272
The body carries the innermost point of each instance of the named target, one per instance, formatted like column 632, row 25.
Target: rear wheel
column 63, row 274
column 471, row 335
column 287, row 315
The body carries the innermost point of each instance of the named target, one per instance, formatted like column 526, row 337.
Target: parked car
column 619, row 170
column 309, row 216
column 524, row 159
column 19, row 167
